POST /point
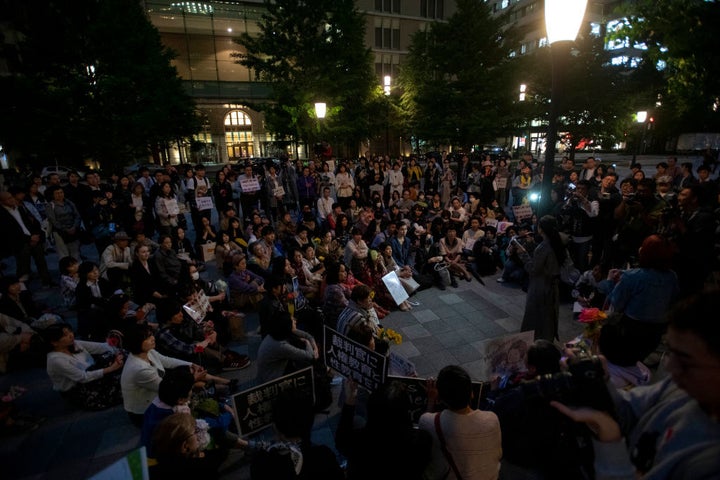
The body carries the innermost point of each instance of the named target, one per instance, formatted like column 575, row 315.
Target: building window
column 238, row 134
column 387, row 34
column 387, row 6
column 432, row 9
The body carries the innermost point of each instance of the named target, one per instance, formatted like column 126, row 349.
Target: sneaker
column 500, row 280
column 236, row 363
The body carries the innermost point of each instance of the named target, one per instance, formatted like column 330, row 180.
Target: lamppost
column 387, row 83
column 320, row 111
column 562, row 22
column 640, row 118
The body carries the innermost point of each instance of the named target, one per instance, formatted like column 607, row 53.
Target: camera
column 583, row 384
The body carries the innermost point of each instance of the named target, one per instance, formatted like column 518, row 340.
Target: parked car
column 62, row 172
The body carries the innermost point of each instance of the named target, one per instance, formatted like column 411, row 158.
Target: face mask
column 195, row 276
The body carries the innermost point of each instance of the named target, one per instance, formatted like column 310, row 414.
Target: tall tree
column 89, row 79
column 680, row 39
column 456, row 79
column 312, row 51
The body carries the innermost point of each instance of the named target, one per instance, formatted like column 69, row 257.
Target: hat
column 663, row 179
column 121, row 236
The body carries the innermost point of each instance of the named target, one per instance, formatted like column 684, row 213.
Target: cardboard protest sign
column 253, row 407
column 505, row 355
column 353, row 360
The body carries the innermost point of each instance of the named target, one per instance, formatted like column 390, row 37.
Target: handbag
column 443, row 447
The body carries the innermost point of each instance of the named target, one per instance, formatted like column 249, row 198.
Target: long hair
column 549, row 226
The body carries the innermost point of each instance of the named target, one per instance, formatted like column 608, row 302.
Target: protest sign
column 249, row 185
column 253, row 407
column 505, row 355
column 204, row 203
column 353, row 360
column 522, row 212
column 396, row 289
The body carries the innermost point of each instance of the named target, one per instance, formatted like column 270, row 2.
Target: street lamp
column 387, row 83
column 320, row 110
column 640, row 118
column 562, row 22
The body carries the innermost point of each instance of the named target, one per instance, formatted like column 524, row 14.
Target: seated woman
column 312, row 267
column 19, row 345
column 144, row 369
column 284, row 350
column 77, row 375
column 309, row 289
column 328, row 249
column 336, row 296
column 182, row 337
column 183, row 247
column 386, row 264
column 356, row 250
column 259, row 261
column 145, row 278
column 206, row 234
column 246, row 288
column 225, row 250
column 92, row 293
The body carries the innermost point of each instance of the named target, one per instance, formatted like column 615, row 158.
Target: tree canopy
column 89, row 80
column 312, row 51
column 679, row 37
column 457, row 78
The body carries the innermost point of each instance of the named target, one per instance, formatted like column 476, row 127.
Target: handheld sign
column 353, row 360
column 204, row 203
column 253, row 407
column 249, row 185
column 522, row 212
column 397, row 291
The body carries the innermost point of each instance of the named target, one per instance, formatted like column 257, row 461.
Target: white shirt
column 324, row 206
column 66, row 371
column 140, row 379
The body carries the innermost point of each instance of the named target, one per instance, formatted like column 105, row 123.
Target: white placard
column 278, row 192
column 204, row 203
column 522, row 212
column 249, row 185
column 397, row 291
column 171, row 206
column 500, row 182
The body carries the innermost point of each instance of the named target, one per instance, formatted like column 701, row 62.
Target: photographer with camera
column 536, row 439
column 670, row 428
column 578, row 216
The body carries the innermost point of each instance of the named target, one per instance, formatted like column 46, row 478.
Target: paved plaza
column 447, row 327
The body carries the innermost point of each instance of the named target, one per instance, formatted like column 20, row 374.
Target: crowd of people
column 312, row 245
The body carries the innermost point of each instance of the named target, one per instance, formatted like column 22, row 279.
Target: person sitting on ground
column 466, row 442
column 293, row 455
column 284, row 350
column 85, row 381
column 18, row 343
column 246, row 287
column 92, row 293
column 183, row 338
column 116, row 260
column 389, row 428
column 670, row 428
column 360, row 311
column 225, row 250
column 145, row 368
column 451, row 250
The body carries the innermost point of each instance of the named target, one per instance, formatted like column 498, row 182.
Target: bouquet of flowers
column 593, row 319
column 390, row 335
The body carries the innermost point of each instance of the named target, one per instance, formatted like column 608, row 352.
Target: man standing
column 64, row 219
column 23, row 237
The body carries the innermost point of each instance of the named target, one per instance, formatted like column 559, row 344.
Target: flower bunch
column 390, row 335
column 593, row 319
